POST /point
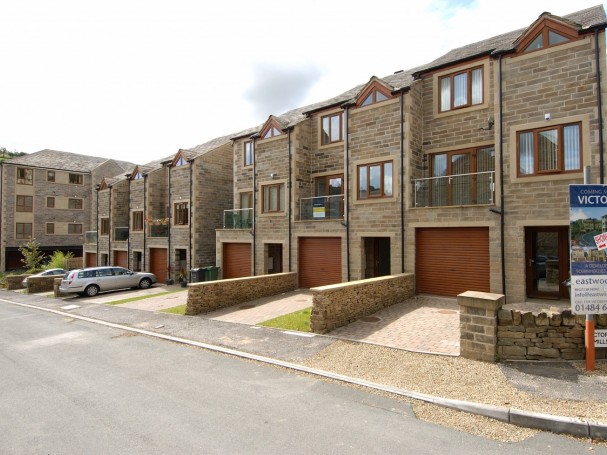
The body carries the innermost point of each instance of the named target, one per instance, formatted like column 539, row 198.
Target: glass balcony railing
column 90, row 238
column 121, row 234
column 238, row 219
column 159, row 230
column 452, row 190
column 321, row 208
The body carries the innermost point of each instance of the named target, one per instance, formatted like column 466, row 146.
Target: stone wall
column 337, row 305
column 211, row 295
column 478, row 324
column 41, row 283
column 13, row 282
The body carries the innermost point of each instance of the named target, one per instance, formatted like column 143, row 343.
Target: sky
column 137, row 80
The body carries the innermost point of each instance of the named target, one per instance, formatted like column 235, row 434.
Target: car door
column 105, row 279
column 123, row 278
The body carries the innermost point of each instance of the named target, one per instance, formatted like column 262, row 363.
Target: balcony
column 455, row 190
column 90, row 238
column 121, row 234
column 238, row 219
column 159, row 230
column 321, row 208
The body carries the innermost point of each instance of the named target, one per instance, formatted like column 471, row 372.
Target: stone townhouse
column 49, row 196
column 162, row 216
column 457, row 170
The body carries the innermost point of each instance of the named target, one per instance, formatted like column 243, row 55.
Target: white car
column 92, row 280
column 48, row 272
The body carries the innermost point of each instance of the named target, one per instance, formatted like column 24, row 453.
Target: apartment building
column 457, row 171
column 47, row 196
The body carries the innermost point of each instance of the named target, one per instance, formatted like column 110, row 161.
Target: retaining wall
column 13, row 282
column 42, row 283
column 337, row 305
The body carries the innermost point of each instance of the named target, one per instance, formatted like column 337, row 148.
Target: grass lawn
column 141, row 297
column 175, row 310
column 298, row 321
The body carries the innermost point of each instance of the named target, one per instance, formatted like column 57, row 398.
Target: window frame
column 48, row 200
column 329, row 139
column 560, row 150
column 368, row 166
column 23, row 207
column 248, row 155
column 280, row 200
column 181, row 213
column 451, row 76
column 75, row 179
column 75, row 201
column 20, row 234
column 71, row 226
column 137, row 220
column 104, row 226
column 48, row 176
column 50, row 229
column 25, row 179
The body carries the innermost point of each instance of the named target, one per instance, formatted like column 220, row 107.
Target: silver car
column 92, row 280
column 48, row 272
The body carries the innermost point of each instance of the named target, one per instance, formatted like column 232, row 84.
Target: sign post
column 588, row 245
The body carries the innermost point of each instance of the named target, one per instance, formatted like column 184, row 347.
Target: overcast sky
column 139, row 79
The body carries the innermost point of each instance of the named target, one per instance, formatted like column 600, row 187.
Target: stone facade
column 478, row 325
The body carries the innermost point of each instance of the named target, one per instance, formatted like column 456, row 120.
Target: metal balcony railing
column 90, row 238
column 121, row 234
column 461, row 189
column 159, row 230
column 321, row 208
column 238, row 219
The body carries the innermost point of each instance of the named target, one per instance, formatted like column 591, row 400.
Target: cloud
column 276, row 88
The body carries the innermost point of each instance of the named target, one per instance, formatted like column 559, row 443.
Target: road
column 72, row 387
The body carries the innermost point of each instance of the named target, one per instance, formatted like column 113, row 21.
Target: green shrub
column 58, row 259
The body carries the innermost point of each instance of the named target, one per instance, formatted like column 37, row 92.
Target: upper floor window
column 74, row 229
column 331, row 128
column 246, row 200
column 50, row 228
column 25, row 176
column 248, row 153
column 546, row 38
column 137, row 176
column 180, row 162
column 374, row 97
column 74, row 204
column 50, row 176
column 550, row 150
column 181, row 213
column 271, row 132
column 23, row 230
column 138, row 221
column 375, row 180
column 24, row 203
column 104, row 228
column 273, row 198
column 76, row 179
column 50, row 202
column 461, row 89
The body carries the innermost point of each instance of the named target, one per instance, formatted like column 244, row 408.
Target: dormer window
column 374, row 97
column 546, row 38
column 272, row 131
column 180, row 162
column 137, row 176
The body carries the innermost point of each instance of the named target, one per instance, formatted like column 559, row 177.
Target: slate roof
column 66, row 161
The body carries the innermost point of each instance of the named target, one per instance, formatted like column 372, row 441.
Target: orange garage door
column 451, row 261
column 91, row 259
column 236, row 260
column 158, row 263
column 319, row 261
column 121, row 259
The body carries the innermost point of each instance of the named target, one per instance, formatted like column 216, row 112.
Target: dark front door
column 377, row 256
column 547, row 261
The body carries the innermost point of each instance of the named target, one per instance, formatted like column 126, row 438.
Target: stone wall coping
column 356, row 283
column 246, row 278
column 486, row 300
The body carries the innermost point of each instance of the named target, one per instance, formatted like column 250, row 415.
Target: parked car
column 48, row 272
column 92, row 280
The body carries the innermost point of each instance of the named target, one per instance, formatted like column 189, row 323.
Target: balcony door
column 547, row 261
column 330, row 187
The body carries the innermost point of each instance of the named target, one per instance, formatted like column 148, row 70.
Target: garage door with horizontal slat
column 236, row 260
column 91, row 259
column 158, row 263
column 449, row 261
column 319, row 261
column 121, row 259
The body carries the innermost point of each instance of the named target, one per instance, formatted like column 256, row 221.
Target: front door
column 377, row 256
column 547, row 261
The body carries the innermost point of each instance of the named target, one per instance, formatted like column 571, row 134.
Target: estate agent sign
column 588, row 245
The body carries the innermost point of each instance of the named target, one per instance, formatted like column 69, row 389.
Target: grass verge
column 141, row 297
column 298, row 321
column 175, row 310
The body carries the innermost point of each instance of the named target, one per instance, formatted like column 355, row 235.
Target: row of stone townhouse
column 457, row 171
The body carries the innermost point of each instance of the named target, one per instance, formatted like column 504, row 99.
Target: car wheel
column 145, row 283
column 91, row 290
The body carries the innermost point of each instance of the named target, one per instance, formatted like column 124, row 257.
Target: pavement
column 232, row 331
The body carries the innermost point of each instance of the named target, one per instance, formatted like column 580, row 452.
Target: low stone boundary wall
column 337, row 305
column 13, row 282
column 42, row 283
column 208, row 296
column 478, row 325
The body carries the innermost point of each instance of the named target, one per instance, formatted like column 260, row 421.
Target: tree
column 32, row 256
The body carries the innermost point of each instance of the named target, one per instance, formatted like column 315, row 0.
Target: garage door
column 158, row 263
column 319, row 261
column 451, row 261
column 236, row 260
column 121, row 259
column 91, row 259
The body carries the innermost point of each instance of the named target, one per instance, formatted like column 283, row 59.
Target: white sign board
column 600, row 338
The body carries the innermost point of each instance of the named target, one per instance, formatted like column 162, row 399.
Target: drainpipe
column 347, row 189
column 502, row 211
column 145, row 212
column 290, row 184
column 402, row 183
column 169, row 225
column 599, row 105
column 97, row 225
column 111, row 226
column 2, row 217
column 190, row 220
column 128, row 239
column 254, row 198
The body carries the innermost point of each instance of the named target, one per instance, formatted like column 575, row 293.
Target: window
column 375, row 180
column 550, row 150
column 50, row 176
column 76, row 179
column 462, row 89
column 273, row 198
column 50, row 228
column 331, row 129
column 374, row 97
column 74, row 204
column 546, row 38
column 246, row 200
column 248, row 153
column 104, row 228
column 329, row 200
column 137, row 221
column 137, row 176
column 74, row 228
column 180, row 162
column 181, row 213
column 272, row 131
column 462, row 177
column 23, row 230
column 25, row 176
column 50, row 202
column 24, row 203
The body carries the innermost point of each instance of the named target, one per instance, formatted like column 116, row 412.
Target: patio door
column 547, row 261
